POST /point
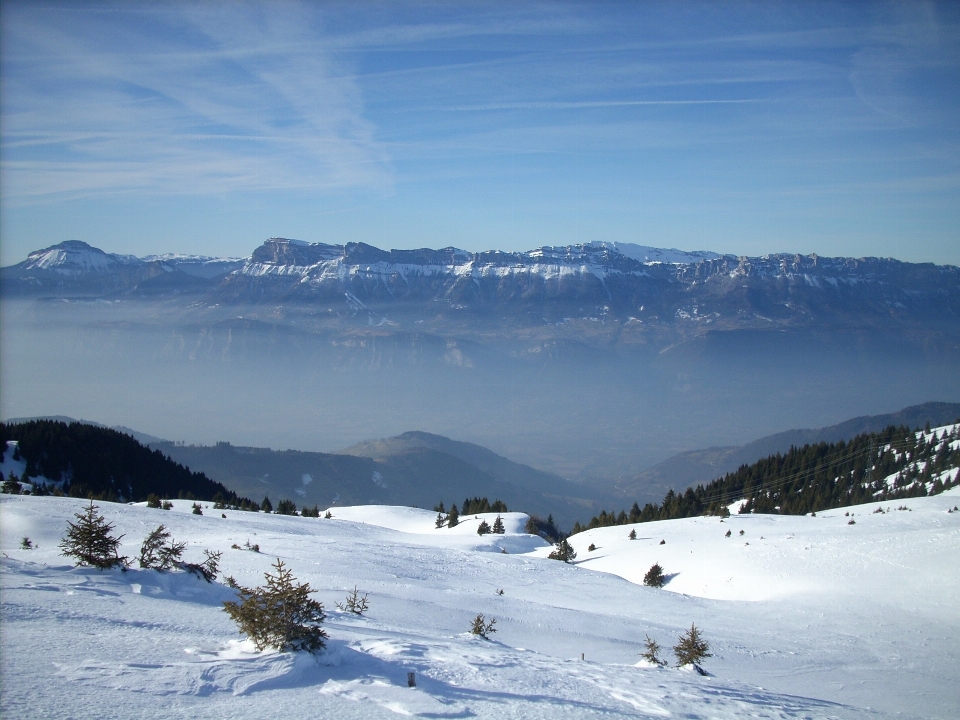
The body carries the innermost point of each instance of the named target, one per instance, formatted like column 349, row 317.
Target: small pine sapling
column 591, row 547
column 89, row 541
column 207, row 569
column 453, row 518
column 441, row 520
column 483, row 528
column 166, row 505
column 280, row 614
column 654, row 576
column 652, row 652
column 159, row 551
column 498, row 528
column 632, row 535
column 691, row 648
column 354, row 603
column 26, row 543
column 197, row 510
column 153, row 501
column 327, row 515
column 483, row 627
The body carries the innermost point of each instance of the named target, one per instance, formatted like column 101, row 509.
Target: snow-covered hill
column 819, row 618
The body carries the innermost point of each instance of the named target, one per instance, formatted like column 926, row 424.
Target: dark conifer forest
column 892, row 464
column 84, row 460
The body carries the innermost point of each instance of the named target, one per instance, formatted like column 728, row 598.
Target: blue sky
column 735, row 127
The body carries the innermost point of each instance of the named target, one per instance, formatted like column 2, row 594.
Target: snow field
column 845, row 630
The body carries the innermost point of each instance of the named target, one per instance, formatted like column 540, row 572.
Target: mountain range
column 592, row 362
column 414, row 468
column 631, row 285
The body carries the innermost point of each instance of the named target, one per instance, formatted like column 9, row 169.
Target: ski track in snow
column 819, row 619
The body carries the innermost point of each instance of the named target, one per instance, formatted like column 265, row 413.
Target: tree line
column 888, row 465
column 99, row 463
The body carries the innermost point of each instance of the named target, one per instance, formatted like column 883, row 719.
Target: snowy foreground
column 806, row 617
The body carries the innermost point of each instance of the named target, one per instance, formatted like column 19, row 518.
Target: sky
column 744, row 128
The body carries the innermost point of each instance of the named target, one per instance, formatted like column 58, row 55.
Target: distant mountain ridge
column 412, row 469
column 75, row 268
column 631, row 284
column 499, row 468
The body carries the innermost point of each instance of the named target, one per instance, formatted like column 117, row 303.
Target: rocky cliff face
column 595, row 282
column 604, row 281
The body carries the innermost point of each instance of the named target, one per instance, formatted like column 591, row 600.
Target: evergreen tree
column 286, row 507
column 498, row 528
column 563, row 551
column 197, row 510
column 652, row 652
column 453, row 519
column 691, row 648
column 633, row 535
column 12, row 486
column 483, row 528
column 483, row 627
column 654, row 576
column 207, row 569
column 266, row 505
column 354, row 603
column 281, row 614
column 159, row 551
column 441, row 519
column 89, row 541
column 153, row 501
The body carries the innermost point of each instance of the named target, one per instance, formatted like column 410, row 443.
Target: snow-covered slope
column 646, row 254
column 819, row 619
column 74, row 257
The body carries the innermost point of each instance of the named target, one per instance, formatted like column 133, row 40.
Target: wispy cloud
column 195, row 99
column 427, row 108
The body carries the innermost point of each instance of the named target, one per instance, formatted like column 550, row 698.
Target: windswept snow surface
column 818, row 619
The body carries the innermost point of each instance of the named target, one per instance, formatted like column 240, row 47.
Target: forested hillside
column 84, row 460
column 889, row 465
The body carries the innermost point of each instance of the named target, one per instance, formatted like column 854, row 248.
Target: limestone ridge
column 598, row 281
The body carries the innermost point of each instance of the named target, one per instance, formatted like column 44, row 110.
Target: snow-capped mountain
column 75, row 257
column 600, row 281
column 75, row 268
column 630, row 283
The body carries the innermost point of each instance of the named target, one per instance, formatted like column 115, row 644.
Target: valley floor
column 816, row 618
